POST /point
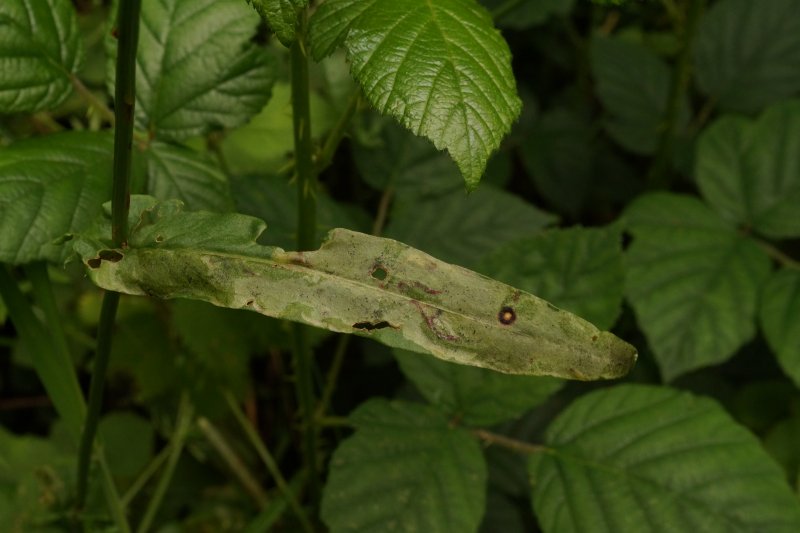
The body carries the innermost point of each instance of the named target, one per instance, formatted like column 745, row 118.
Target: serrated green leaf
column 51, row 186
column 780, row 319
column 747, row 55
column 634, row 85
column 354, row 283
column 405, row 469
column 652, row 459
column 747, row 170
column 176, row 172
column 475, row 396
column 196, row 67
column 40, row 48
column 578, row 269
column 280, row 16
column 440, row 68
column 693, row 281
column 462, row 228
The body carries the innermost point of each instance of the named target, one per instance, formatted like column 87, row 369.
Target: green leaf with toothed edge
column 441, row 68
column 280, row 16
column 355, row 283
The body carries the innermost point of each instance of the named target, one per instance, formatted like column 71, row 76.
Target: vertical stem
column 125, row 98
column 658, row 176
column 306, row 239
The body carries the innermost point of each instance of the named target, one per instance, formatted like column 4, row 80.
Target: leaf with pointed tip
column 405, row 469
column 280, row 16
column 637, row 458
column 51, row 186
column 440, row 68
column 354, row 283
column 40, row 48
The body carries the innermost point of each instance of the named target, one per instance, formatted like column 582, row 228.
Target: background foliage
column 650, row 184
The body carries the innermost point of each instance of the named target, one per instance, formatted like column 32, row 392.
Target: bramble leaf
column 747, row 170
column 51, row 186
column 639, row 458
column 693, row 281
column 440, row 68
column 40, row 48
column 280, row 16
column 355, row 283
column 780, row 319
column 405, row 469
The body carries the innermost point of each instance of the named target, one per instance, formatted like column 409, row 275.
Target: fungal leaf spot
column 507, row 315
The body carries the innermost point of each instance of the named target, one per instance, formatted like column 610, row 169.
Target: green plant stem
column 145, row 475
column 337, row 132
column 125, row 98
column 272, row 513
column 91, row 99
column 183, row 422
column 333, row 376
column 306, row 239
column 102, row 355
column 269, row 462
column 234, row 462
column 659, row 175
column 779, row 256
column 507, row 442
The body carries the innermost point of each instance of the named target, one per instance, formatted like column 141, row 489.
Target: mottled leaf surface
column 405, row 469
column 280, row 15
column 693, row 281
column 440, row 68
column 196, row 67
column 749, row 171
column 354, row 283
column 49, row 187
column 747, row 54
column 780, row 319
column 639, row 459
column 40, row 48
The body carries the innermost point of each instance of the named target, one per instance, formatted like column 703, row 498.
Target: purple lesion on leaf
column 432, row 321
column 407, row 287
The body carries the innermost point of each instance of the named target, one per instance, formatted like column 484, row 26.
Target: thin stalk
column 306, row 239
column 272, row 513
column 234, row 462
column 269, row 462
column 776, row 254
column 125, row 98
column 92, row 99
column 658, row 176
column 507, row 442
column 333, row 376
column 183, row 422
column 145, row 475
column 337, row 132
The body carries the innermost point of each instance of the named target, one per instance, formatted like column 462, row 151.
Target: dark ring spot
column 507, row 315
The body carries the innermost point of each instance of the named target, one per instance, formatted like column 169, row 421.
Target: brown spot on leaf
column 507, row 315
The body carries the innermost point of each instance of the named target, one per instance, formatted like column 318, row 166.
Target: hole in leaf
column 369, row 326
column 379, row 273
column 110, row 255
column 94, row 262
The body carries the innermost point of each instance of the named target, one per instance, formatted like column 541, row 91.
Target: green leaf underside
column 440, row 68
column 280, row 16
column 405, row 469
column 646, row 459
column 49, row 187
column 578, row 269
column 693, row 281
column 748, row 170
column 475, row 396
column 748, row 56
column 40, row 47
column 196, row 68
column 780, row 319
column 633, row 84
column 176, row 172
column 354, row 283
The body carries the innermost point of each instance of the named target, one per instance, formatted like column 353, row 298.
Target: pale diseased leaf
column 280, row 16
column 780, row 319
column 176, row 172
column 405, row 469
column 440, row 68
column 196, row 68
column 475, row 396
column 748, row 170
column 693, row 281
column 633, row 84
column 462, row 228
column 354, row 283
column 49, row 187
column 40, row 48
column 650, row 459
column 578, row 269
column 747, row 54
